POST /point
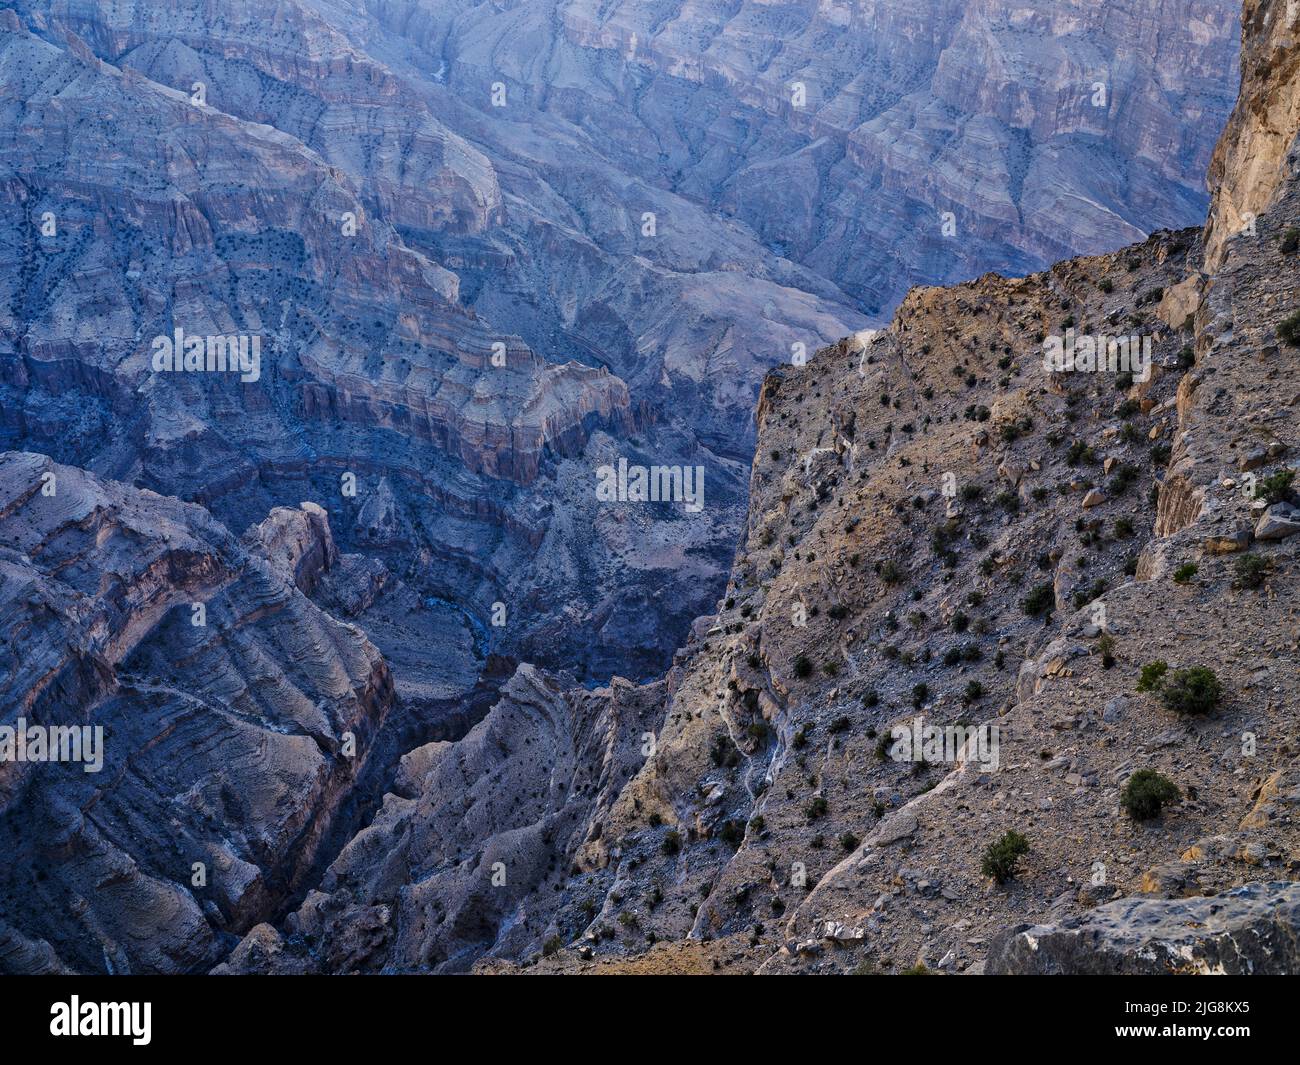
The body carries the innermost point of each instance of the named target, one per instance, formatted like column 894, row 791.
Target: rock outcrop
column 1249, row 931
column 235, row 718
column 1258, row 145
column 469, row 856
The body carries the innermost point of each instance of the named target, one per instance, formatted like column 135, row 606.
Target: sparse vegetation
column 1040, row 602
column 1152, row 676
column 1146, row 793
column 1193, row 691
column 1276, row 487
column 1003, row 855
column 1288, row 329
column 1250, row 571
column 1106, row 648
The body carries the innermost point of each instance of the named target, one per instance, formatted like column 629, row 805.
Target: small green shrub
column 1276, row 487
column 1152, row 676
column 1185, row 572
column 1193, row 691
column 1106, row 648
column 1250, row 571
column 1146, row 793
column 1002, row 855
column 1040, row 602
column 1289, row 329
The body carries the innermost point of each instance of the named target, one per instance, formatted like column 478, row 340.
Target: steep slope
column 1069, row 459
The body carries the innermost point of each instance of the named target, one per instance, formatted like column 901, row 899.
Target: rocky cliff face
column 236, row 718
column 1249, row 160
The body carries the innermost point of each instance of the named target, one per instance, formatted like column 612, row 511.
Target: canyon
column 667, row 757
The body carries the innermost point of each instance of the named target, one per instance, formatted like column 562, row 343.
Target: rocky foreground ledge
column 1249, row 930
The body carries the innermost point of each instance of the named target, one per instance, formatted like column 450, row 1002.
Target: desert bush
column 1002, row 855
column 1146, row 793
column 1289, row 329
column 1040, row 602
column 1276, row 487
column 1192, row 691
column 1250, row 571
column 1152, row 676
